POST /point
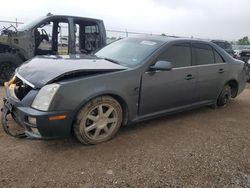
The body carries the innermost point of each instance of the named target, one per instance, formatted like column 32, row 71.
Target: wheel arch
column 116, row 96
column 234, row 87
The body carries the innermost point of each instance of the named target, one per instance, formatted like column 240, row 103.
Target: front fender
column 73, row 94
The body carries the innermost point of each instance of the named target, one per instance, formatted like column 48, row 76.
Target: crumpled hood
column 42, row 70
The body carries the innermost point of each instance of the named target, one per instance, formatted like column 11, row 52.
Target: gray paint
column 145, row 94
column 43, row 70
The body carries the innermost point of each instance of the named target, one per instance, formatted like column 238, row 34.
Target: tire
column 224, row 96
column 248, row 77
column 98, row 120
column 8, row 64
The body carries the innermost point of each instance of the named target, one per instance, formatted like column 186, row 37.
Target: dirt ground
column 200, row 148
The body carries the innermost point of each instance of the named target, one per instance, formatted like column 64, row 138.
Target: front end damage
column 8, row 109
column 34, row 93
column 29, row 122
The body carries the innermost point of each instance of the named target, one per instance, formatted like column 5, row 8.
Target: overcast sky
column 220, row 19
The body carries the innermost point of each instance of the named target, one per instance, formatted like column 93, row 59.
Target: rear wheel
column 98, row 121
column 248, row 77
column 224, row 96
column 8, row 64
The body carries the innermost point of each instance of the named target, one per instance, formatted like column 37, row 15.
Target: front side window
column 203, row 54
column 179, row 55
column 43, row 37
column 51, row 38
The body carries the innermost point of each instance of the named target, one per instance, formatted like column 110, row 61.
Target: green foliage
column 243, row 41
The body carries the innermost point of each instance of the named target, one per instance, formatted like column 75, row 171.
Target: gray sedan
column 128, row 81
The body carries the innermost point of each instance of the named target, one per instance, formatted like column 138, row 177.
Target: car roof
column 219, row 41
column 171, row 38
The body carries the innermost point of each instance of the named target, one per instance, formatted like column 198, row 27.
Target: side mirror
column 162, row 66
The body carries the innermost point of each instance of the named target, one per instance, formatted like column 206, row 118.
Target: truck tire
column 8, row 63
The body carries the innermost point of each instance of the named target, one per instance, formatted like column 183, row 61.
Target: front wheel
column 98, row 121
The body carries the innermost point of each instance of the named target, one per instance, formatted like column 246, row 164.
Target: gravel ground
column 199, row 148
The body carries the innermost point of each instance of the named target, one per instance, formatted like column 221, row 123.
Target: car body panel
column 157, row 87
column 210, row 80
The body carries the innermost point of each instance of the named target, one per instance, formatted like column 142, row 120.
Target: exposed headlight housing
column 44, row 97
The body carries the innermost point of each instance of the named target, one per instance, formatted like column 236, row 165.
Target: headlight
column 44, row 97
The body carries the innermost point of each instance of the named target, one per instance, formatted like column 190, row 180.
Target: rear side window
column 218, row 58
column 203, row 54
column 178, row 54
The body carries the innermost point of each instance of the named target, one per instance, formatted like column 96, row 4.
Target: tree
column 243, row 41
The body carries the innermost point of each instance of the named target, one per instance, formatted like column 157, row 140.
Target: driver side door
column 163, row 91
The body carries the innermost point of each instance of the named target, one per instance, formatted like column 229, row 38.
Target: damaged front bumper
column 7, row 110
column 35, row 124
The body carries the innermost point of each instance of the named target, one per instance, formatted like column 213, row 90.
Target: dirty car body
column 150, row 77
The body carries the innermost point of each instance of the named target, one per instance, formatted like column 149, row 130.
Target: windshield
column 129, row 52
column 31, row 24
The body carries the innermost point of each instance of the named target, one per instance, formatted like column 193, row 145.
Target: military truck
column 48, row 35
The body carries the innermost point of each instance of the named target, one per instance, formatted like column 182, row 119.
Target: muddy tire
column 98, row 120
column 224, row 96
column 248, row 78
column 8, row 64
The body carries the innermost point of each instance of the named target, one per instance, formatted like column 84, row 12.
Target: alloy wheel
column 100, row 121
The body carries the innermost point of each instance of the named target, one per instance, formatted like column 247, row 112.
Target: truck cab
column 49, row 35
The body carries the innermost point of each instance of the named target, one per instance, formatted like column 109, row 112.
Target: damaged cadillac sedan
column 128, row 81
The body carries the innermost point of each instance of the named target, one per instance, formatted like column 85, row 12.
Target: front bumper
column 42, row 127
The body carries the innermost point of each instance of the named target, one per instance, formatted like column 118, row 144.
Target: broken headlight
column 44, row 97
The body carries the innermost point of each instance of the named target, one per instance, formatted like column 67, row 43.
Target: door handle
column 220, row 71
column 189, row 77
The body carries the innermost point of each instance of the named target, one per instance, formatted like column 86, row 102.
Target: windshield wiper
column 112, row 60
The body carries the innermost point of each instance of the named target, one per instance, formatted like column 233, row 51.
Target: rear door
column 169, row 90
column 211, row 69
